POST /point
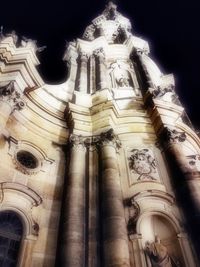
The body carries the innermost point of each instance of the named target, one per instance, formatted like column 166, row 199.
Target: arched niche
column 152, row 224
column 24, row 201
column 26, row 204
column 156, row 224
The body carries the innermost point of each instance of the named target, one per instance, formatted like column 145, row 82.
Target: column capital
column 99, row 52
column 172, row 136
column 77, row 142
column 83, row 56
column 108, row 138
column 10, row 95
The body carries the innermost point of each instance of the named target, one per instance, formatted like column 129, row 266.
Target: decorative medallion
column 142, row 165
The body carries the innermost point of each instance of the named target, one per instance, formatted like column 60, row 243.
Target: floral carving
column 143, row 163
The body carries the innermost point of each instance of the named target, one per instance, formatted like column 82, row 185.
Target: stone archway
column 11, row 234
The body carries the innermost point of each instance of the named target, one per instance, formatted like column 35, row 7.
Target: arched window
column 11, row 232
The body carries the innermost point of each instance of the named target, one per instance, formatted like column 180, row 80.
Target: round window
column 27, row 159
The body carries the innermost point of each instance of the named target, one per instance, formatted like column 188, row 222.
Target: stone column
column 140, row 58
column 73, row 235
column 101, row 68
column 93, row 214
column 186, row 180
column 114, row 231
column 10, row 100
column 83, row 75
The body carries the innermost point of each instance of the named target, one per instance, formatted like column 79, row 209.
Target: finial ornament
column 1, row 33
column 111, row 11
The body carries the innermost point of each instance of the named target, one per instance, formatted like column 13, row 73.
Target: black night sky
column 171, row 27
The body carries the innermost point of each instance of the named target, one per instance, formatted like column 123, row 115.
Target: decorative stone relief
column 105, row 138
column 9, row 94
column 166, row 93
column 172, row 136
column 142, row 165
column 134, row 212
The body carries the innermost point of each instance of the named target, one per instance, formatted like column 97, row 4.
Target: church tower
column 102, row 170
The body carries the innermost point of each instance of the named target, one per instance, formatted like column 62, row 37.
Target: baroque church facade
column 103, row 169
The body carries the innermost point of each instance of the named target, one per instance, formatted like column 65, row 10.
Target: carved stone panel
column 142, row 165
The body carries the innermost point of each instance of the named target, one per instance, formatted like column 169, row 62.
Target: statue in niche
column 121, row 75
column 143, row 163
column 158, row 255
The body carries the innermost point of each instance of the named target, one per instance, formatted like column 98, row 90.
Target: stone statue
column 14, row 37
column 158, row 254
column 121, row 75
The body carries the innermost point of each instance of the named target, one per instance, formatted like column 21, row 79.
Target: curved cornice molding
column 35, row 199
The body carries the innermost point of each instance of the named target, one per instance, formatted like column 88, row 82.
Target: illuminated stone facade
column 96, row 168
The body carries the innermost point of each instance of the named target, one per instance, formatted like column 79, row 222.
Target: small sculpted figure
column 121, row 75
column 158, row 254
